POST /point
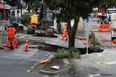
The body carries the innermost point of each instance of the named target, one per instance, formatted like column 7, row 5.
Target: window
column 111, row 11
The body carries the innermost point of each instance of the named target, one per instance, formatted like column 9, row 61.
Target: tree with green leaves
column 74, row 9
column 71, row 10
column 12, row 2
column 32, row 4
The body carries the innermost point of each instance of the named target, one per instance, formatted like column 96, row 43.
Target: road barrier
column 104, row 27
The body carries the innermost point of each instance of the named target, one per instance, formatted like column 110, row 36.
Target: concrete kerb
column 56, row 71
column 45, row 71
column 2, row 47
column 51, row 72
column 38, row 62
column 65, row 68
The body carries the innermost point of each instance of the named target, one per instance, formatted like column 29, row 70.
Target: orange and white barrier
column 104, row 27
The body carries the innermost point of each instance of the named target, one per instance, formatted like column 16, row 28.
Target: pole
column 87, row 47
column 18, row 7
column 41, row 14
column 87, row 39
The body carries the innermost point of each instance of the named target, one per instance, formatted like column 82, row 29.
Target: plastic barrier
column 80, row 37
column 104, row 27
column 114, row 41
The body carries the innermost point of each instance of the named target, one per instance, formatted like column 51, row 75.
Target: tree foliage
column 12, row 2
column 71, row 9
column 32, row 4
column 74, row 9
column 108, row 3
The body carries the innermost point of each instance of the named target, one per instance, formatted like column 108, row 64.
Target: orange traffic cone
column 26, row 48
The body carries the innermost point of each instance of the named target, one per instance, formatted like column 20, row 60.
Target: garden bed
column 55, row 62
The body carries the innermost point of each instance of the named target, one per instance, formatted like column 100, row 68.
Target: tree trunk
column 72, row 32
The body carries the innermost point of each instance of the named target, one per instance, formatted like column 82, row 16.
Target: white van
column 111, row 12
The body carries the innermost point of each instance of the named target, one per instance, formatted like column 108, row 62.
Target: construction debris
column 47, row 61
column 55, row 67
column 42, row 61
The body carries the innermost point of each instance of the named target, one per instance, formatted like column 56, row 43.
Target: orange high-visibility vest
column 11, row 32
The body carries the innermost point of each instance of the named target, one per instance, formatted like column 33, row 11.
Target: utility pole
column 18, row 7
column 41, row 13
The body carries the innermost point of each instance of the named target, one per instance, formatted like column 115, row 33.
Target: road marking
column 105, row 63
column 99, row 54
column 101, row 63
column 94, row 75
column 110, row 62
column 28, row 71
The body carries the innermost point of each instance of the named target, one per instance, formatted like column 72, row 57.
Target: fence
column 103, row 37
column 85, row 28
column 3, row 34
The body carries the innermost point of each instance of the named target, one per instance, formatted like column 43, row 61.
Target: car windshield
column 111, row 11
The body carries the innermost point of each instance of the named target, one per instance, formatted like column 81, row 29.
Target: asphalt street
column 15, row 63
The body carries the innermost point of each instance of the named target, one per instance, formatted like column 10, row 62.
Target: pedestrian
column 109, row 18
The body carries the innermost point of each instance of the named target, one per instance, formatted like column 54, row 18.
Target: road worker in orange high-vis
column 65, row 32
column 11, row 36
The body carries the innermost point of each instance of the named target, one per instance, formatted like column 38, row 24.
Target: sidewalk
column 52, row 41
column 62, row 43
column 99, row 64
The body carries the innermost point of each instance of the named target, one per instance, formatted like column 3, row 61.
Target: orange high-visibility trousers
column 11, row 37
column 64, row 35
column 11, row 42
column 65, row 32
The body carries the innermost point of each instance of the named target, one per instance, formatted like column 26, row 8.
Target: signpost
column 86, row 32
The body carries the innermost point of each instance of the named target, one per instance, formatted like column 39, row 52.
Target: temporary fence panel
column 3, row 34
column 113, row 37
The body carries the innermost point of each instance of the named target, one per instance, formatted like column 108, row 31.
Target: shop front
column 4, row 11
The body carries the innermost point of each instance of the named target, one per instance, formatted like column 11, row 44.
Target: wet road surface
column 15, row 63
